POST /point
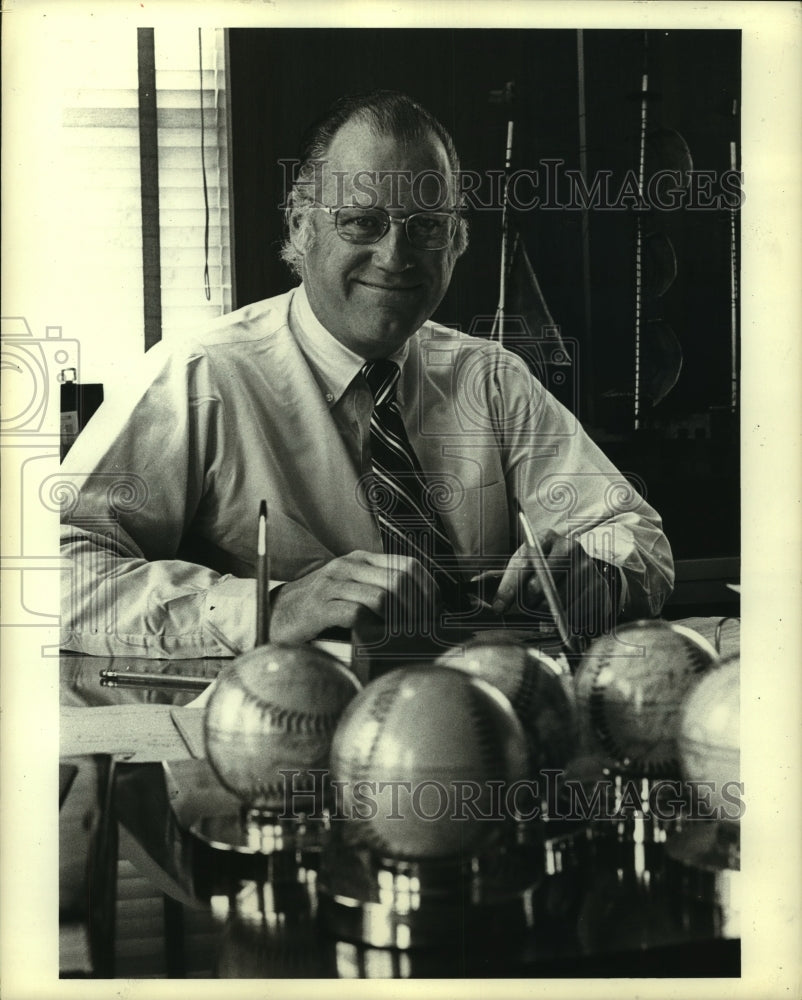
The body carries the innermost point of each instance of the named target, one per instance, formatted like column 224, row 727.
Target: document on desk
column 145, row 732
column 189, row 722
column 137, row 732
column 724, row 633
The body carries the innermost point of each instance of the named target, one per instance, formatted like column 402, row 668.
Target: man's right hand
column 340, row 592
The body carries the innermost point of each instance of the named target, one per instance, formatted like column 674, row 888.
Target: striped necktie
column 402, row 502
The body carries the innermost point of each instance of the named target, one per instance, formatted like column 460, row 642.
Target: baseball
column 275, row 709
column 629, row 690
column 424, row 755
column 709, row 735
column 538, row 688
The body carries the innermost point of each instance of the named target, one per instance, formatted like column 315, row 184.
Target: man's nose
column 394, row 251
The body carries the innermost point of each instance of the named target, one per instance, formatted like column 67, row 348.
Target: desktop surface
column 145, row 892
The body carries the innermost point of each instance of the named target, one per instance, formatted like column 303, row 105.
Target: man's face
column 372, row 298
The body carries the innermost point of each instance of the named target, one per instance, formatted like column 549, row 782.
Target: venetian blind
column 193, row 149
column 100, row 158
column 100, row 248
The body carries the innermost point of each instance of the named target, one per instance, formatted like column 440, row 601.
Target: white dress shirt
column 165, row 485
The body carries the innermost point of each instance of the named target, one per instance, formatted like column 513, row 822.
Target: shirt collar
column 334, row 365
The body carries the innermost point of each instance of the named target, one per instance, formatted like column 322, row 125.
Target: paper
column 189, row 722
column 203, row 697
column 134, row 732
column 341, row 651
column 723, row 633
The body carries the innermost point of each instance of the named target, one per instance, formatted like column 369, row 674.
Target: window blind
column 101, row 175
column 100, row 249
column 192, row 119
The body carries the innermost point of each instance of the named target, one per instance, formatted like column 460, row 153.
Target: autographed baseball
column 425, row 755
column 539, row 690
column 630, row 687
column 709, row 735
column 275, row 709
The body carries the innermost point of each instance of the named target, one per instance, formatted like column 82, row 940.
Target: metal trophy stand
column 410, row 904
column 259, row 873
column 704, row 861
column 267, row 834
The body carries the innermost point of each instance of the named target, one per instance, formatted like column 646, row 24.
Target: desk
column 141, row 898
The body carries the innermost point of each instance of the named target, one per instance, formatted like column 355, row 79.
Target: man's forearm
column 114, row 602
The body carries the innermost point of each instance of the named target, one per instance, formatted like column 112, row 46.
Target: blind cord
column 206, row 285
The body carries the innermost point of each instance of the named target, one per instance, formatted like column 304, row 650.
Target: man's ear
column 299, row 230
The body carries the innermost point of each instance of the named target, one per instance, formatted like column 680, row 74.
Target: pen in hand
column 546, row 581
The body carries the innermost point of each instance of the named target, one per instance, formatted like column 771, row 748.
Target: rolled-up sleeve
column 131, row 486
column 567, row 485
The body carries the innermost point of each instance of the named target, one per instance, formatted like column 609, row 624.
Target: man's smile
column 387, row 286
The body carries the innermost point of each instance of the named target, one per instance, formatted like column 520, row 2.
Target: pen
column 262, row 577
column 128, row 678
column 546, row 581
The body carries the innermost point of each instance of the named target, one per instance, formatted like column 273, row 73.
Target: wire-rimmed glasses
column 424, row 230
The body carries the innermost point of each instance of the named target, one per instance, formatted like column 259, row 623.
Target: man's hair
column 384, row 112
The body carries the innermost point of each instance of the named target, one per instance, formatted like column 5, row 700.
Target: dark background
column 686, row 450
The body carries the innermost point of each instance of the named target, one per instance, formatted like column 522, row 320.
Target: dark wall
column 281, row 80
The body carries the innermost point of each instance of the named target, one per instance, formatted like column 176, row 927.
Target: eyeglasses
column 424, row 230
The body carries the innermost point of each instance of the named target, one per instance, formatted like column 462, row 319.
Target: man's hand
column 345, row 588
column 580, row 582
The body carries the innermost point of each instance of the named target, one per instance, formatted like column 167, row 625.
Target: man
column 392, row 452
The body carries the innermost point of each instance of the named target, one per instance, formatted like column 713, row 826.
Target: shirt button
column 329, row 397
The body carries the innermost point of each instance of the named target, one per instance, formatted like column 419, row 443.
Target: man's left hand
column 590, row 602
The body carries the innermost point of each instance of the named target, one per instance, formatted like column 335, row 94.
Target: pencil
column 546, row 581
column 262, row 577
column 128, row 678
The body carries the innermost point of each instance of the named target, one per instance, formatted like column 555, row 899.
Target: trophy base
column 254, row 832
column 703, row 861
column 390, row 903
